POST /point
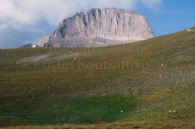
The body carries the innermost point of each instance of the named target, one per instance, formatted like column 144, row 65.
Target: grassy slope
column 153, row 80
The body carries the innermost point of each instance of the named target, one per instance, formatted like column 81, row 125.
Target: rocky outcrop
column 99, row 27
column 42, row 41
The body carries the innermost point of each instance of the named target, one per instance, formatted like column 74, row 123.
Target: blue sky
column 22, row 21
column 172, row 16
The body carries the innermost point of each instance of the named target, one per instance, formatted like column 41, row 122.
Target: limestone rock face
column 100, row 27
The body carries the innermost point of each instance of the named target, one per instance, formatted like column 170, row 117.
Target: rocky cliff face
column 100, row 27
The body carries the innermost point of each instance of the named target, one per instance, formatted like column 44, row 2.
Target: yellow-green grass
column 152, row 80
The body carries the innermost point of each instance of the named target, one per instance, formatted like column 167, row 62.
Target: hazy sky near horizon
column 22, row 21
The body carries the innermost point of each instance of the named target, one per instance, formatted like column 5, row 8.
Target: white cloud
column 10, row 11
column 153, row 4
column 30, row 12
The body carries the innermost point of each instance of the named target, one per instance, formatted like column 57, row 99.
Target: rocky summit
column 98, row 27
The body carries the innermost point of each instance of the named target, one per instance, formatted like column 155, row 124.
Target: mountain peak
column 100, row 27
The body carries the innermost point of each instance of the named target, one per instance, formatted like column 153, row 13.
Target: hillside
column 152, row 81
